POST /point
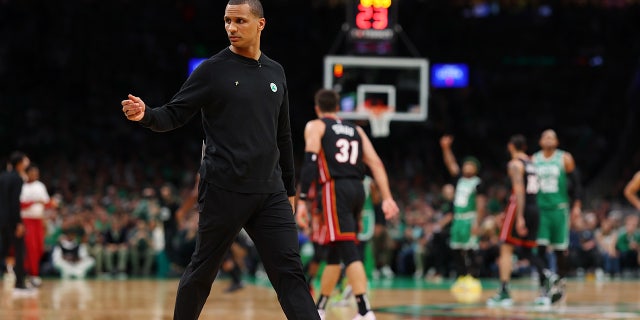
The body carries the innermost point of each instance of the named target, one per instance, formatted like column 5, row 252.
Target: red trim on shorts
column 508, row 224
column 331, row 215
column 323, row 168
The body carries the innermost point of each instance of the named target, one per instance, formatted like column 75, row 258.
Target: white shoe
column 500, row 299
column 367, row 316
column 322, row 314
column 34, row 281
column 542, row 301
column 24, row 292
column 387, row 272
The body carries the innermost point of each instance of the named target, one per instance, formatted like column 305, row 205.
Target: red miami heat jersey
column 341, row 153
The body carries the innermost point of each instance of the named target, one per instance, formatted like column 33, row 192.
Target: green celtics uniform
column 367, row 219
column 464, row 214
column 553, row 200
column 367, row 224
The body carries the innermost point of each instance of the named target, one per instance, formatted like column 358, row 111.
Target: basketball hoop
column 379, row 120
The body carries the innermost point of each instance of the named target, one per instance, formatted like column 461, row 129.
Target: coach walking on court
column 247, row 173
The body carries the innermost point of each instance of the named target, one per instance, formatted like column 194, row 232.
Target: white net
column 379, row 123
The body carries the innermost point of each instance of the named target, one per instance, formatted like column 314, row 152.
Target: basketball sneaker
column 344, row 299
column 367, row 316
column 233, row 287
column 542, row 300
column 387, row 272
column 24, row 292
column 322, row 314
column 557, row 290
column 551, row 291
column 34, row 282
column 501, row 299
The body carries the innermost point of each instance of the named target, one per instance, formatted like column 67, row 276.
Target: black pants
column 268, row 220
column 9, row 240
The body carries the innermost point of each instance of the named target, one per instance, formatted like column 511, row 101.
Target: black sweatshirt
column 10, row 189
column 245, row 117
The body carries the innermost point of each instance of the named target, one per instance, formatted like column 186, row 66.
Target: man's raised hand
column 133, row 108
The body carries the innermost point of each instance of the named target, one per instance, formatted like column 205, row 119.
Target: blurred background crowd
column 570, row 65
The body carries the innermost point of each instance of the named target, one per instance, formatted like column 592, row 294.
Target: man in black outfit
column 247, row 177
column 11, row 227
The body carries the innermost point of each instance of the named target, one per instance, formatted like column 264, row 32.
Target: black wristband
column 308, row 173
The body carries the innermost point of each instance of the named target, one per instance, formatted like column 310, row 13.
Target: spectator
column 381, row 241
column 627, row 244
column 439, row 250
column 95, row 227
column 584, row 252
column 606, row 237
column 34, row 200
column 71, row 257
column 148, row 207
column 186, row 240
column 169, row 204
column 141, row 247
column 116, row 248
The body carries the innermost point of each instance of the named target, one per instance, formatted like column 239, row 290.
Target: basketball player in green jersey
column 468, row 207
column 559, row 199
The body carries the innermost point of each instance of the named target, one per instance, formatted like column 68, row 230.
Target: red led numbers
column 373, row 14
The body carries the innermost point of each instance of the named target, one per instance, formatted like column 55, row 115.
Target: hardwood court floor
column 398, row 299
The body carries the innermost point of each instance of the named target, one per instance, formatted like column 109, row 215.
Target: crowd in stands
column 137, row 230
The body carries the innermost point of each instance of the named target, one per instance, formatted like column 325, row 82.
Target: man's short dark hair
column 16, row 157
column 31, row 167
column 327, row 100
column 519, row 142
column 473, row 160
column 255, row 5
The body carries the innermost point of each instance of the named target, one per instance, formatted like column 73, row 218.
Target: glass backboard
column 371, row 85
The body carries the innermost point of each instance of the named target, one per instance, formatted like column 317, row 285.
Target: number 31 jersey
column 341, row 153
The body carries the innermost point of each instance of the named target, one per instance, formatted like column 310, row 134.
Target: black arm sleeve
column 308, row 173
column 575, row 185
column 15, row 189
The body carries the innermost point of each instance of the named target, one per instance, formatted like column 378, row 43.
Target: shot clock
column 372, row 27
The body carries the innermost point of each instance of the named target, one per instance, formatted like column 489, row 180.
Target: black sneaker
column 234, row 287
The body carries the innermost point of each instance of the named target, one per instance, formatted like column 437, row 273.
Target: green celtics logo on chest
column 273, row 87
